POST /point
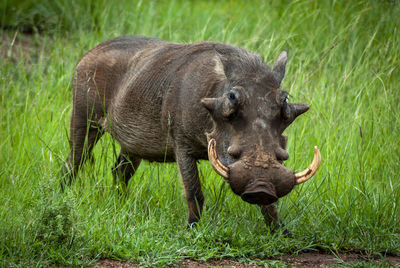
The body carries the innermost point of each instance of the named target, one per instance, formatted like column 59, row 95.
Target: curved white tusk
column 306, row 174
column 215, row 163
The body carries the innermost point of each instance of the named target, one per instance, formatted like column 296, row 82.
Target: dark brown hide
column 164, row 101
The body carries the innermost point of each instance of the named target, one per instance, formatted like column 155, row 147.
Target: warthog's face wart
column 246, row 145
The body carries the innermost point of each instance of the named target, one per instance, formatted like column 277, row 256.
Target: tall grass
column 344, row 62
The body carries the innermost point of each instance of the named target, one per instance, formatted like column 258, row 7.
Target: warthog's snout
column 261, row 184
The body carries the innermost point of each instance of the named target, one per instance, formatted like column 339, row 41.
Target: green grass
column 344, row 60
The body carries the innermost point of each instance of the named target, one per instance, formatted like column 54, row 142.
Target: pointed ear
column 209, row 103
column 280, row 66
column 219, row 68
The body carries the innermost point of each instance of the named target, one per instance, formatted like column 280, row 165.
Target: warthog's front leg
column 191, row 182
column 270, row 216
column 272, row 220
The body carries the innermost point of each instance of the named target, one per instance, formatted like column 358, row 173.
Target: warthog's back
column 100, row 71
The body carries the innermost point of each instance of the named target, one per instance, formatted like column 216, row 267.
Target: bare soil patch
column 301, row 260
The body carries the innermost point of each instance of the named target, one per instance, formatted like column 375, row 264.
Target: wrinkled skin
column 165, row 101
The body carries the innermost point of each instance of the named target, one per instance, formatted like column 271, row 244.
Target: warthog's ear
column 210, row 103
column 280, row 66
column 223, row 107
column 219, row 68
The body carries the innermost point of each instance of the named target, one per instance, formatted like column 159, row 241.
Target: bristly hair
column 241, row 65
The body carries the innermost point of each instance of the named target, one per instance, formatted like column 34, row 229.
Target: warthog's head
column 246, row 145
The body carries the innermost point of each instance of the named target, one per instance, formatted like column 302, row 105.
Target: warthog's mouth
column 263, row 192
column 260, row 197
column 260, row 193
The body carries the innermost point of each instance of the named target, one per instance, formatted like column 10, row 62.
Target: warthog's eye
column 231, row 105
column 284, row 108
column 232, row 98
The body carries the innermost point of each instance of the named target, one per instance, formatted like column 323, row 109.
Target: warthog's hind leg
column 82, row 141
column 124, row 168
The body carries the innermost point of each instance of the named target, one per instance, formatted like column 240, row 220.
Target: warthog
column 166, row 101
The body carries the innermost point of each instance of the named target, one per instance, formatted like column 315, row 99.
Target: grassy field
column 344, row 60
